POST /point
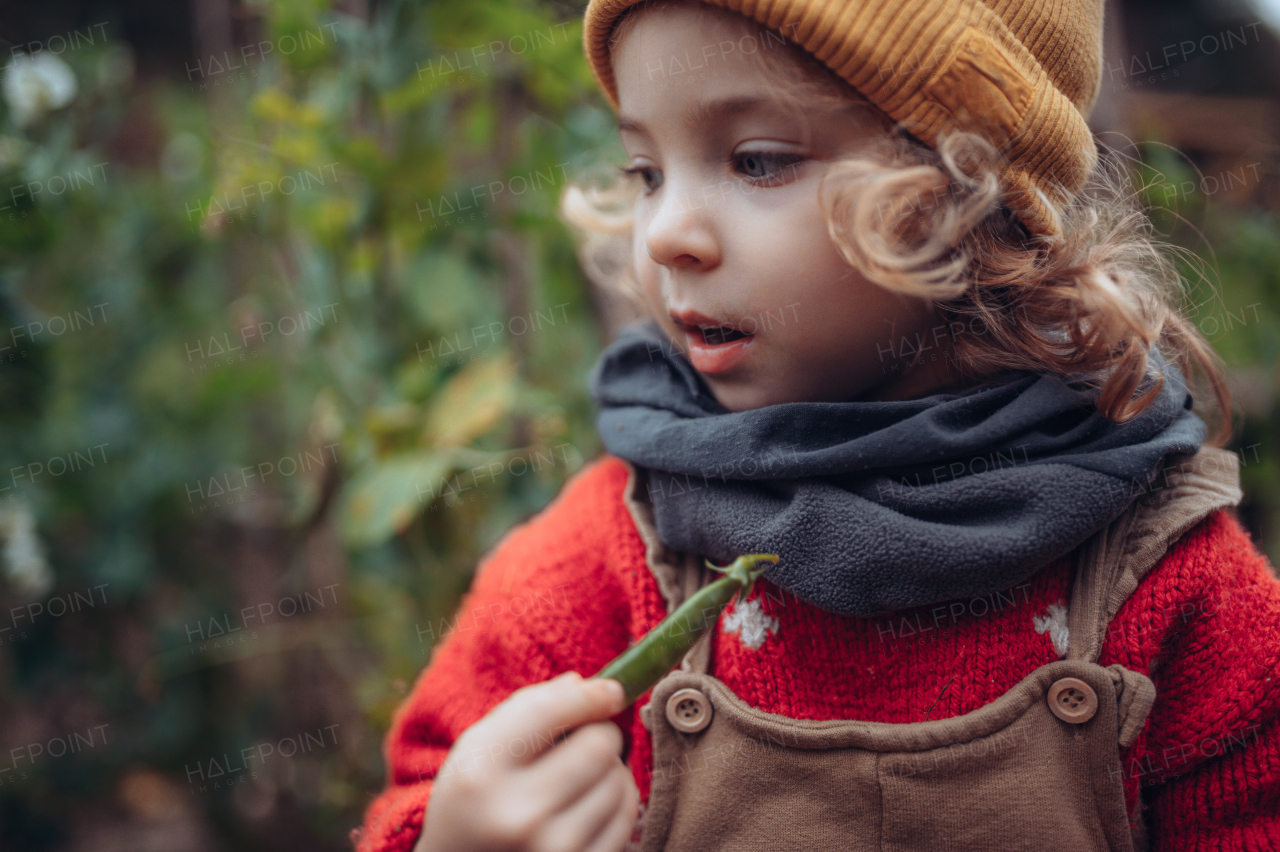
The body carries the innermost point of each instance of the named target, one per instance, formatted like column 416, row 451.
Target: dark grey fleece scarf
column 878, row 506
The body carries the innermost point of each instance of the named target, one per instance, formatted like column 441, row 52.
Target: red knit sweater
column 570, row 590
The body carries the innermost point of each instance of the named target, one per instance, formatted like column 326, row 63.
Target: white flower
column 24, row 560
column 34, row 85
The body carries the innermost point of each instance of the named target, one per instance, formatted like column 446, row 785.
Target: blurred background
column 290, row 334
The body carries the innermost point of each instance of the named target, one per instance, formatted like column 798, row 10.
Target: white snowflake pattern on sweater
column 1055, row 622
column 752, row 625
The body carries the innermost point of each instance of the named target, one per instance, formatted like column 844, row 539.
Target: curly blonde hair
column 1088, row 305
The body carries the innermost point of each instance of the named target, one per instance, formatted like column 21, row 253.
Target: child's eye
column 652, row 177
column 767, row 167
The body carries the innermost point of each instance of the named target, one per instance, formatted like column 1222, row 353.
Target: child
column 908, row 333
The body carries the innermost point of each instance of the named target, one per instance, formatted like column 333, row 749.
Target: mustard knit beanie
column 1021, row 73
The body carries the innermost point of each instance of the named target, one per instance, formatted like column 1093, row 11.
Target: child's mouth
column 714, row 348
column 713, row 335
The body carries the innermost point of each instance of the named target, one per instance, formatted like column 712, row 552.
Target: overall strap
column 1111, row 563
column 679, row 575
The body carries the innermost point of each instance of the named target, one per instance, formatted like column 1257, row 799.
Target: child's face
column 729, row 231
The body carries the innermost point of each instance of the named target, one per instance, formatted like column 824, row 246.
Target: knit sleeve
column 1206, row 627
column 549, row 599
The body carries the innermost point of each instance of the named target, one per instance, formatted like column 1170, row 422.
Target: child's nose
column 682, row 233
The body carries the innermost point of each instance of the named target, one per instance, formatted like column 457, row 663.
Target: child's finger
column 567, row 772
column 593, row 813
column 617, row 833
column 534, row 718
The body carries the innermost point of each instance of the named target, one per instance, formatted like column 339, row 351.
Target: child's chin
column 742, row 396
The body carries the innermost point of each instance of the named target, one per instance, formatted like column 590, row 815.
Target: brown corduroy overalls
column 1038, row 768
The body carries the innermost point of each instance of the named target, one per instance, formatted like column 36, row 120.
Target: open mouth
column 713, row 347
column 715, row 334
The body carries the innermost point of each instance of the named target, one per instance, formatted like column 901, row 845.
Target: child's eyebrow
column 705, row 112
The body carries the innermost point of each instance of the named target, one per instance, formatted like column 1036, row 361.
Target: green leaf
column 384, row 499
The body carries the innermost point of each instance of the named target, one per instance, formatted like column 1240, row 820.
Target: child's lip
column 707, row 357
column 707, row 329
column 711, row 354
column 693, row 319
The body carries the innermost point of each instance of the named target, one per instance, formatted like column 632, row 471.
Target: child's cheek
column 648, row 272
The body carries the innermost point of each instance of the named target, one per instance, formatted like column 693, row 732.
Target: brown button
column 1072, row 700
column 688, row 710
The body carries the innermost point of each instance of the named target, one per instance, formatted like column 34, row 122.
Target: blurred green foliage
column 1229, row 255
column 339, row 346
column 319, row 337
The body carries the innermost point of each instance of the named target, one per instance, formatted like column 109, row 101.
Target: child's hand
column 504, row 786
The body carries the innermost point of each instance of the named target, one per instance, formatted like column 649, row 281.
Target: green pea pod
column 659, row 651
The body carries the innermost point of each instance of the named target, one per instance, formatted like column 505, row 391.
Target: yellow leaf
column 274, row 105
column 473, row 400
